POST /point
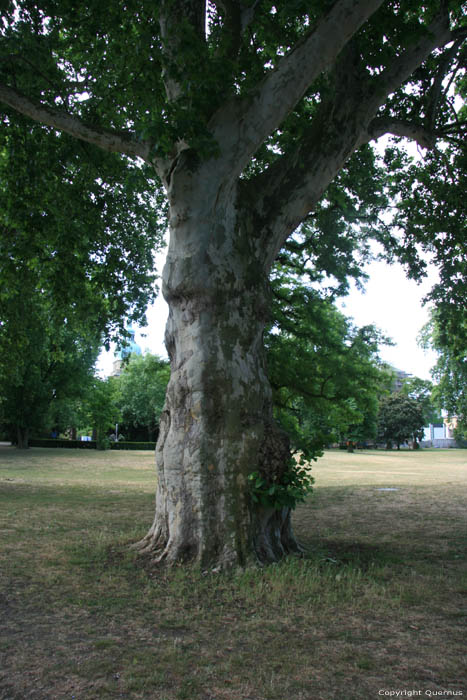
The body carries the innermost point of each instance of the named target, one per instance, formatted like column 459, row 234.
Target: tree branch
column 425, row 138
column 241, row 126
column 248, row 14
column 113, row 142
column 438, row 34
column 437, row 87
column 181, row 22
column 232, row 29
column 290, row 188
column 237, row 19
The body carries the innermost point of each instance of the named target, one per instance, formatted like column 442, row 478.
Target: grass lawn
column 378, row 605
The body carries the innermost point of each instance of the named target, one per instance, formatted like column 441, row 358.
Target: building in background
column 399, row 378
column 130, row 347
column 440, row 434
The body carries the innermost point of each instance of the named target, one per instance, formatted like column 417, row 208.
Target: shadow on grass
column 361, row 555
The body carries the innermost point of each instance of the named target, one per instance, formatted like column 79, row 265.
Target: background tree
column 247, row 122
column 450, row 370
column 400, row 419
column 66, row 414
column 325, row 373
column 100, row 409
column 422, row 391
column 43, row 359
column 142, row 386
column 73, row 263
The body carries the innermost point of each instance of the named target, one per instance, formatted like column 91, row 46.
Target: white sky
column 394, row 304
column 390, row 301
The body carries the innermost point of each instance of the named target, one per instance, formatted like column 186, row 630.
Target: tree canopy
column 400, row 419
column 141, row 387
column 450, row 370
column 43, row 359
column 81, row 220
column 422, row 391
column 325, row 373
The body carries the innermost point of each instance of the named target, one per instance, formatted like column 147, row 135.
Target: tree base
column 272, row 539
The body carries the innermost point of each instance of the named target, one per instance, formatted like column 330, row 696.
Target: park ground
column 378, row 605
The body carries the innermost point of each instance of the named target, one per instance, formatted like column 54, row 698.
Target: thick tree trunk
column 217, row 425
column 22, row 437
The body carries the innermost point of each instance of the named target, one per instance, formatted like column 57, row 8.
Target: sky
column 395, row 305
column 390, row 301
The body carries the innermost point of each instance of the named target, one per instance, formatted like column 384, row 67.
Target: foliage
column 133, row 399
column 330, row 248
column 431, row 214
column 325, row 372
column 141, row 386
column 90, row 444
column 83, row 221
column 126, row 445
column 59, row 443
column 295, row 484
column 100, row 408
column 73, row 263
column 65, row 414
column 400, row 418
column 422, row 391
column 44, row 360
column 431, row 207
column 450, row 370
column 90, row 69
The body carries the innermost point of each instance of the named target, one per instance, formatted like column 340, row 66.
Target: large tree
column 422, row 391
column 247, row 111
column 401, row 418
column 100, row 409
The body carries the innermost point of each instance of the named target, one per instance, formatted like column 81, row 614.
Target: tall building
column 399, row 378
column 130, row 347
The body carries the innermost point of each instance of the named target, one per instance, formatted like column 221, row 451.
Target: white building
column 440, row 434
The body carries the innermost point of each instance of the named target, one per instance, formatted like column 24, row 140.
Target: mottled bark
column 217, row 425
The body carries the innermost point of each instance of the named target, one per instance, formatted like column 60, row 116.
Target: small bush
column 57, row 442
column 295, row 485
column 124, row 445
column 91, row 444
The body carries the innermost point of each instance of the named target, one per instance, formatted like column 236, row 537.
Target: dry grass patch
column 379, row 603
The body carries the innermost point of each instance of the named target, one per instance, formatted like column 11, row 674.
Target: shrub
column 57, row 442
column 91, row 444
column 125, row 445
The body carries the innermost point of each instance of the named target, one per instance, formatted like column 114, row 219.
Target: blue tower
column 130, row 347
